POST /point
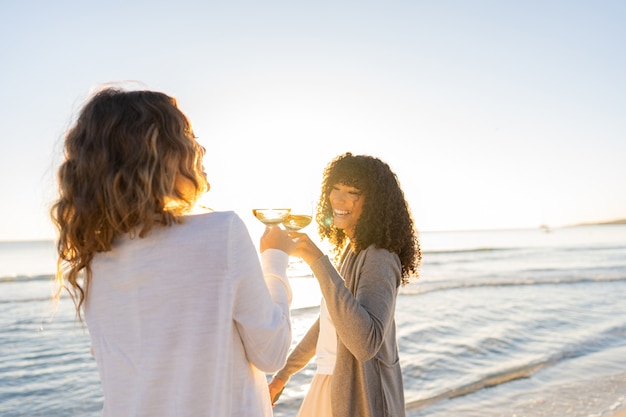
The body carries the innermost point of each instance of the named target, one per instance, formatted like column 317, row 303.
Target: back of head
column 122, row 159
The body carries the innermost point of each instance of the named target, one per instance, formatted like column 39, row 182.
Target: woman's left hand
column 276, row 387
column 277, row 238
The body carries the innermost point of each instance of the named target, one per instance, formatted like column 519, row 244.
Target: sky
column 493, row 114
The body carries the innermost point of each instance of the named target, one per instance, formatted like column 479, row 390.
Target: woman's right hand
column 277, row 238
column 276, row 387
column 305, row 248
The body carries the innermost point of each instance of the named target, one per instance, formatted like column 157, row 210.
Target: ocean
column 501, row 323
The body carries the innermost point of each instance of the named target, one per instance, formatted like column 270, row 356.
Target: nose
column 338, row 198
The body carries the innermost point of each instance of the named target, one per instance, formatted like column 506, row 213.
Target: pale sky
column 493, row 114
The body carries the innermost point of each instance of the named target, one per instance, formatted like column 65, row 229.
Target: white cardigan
column 183, row 323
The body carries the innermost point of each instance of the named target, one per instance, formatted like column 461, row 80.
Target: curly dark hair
column 386, row 220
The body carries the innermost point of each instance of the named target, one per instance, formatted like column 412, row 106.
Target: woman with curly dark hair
column 363, row 213
column 182, row 319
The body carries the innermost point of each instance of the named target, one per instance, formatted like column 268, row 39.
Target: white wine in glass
column 295, row 222
column 271, row 217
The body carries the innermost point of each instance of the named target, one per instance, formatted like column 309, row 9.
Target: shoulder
column 209, row 217
column 376, row 261
column 213, row 223
column 376, row 254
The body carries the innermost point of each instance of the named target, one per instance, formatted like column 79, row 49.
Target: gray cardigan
column 367, row 380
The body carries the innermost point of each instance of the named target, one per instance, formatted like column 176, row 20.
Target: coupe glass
column 271, row 216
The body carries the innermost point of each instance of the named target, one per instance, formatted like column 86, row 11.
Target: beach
column 507, row 323
column 620, row 413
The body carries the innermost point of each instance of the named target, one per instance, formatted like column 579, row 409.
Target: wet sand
column 619, row 413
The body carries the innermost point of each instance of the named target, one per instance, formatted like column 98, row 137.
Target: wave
column 27, row 300
column 25, row 278
column 469, row 250
column 502, row 283
column 491, row 249
column 608, row 337
column 594, row 248
column 511, row 374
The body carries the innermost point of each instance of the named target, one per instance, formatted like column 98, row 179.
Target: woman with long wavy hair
column 363, row 214
column 183, row 319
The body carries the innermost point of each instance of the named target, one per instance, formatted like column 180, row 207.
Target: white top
column 326, row 348
column 183, row 323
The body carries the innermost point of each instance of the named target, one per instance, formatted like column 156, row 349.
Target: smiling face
column 347, row 204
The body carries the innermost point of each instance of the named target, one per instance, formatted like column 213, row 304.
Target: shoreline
column 592, row 385
column 619, row 413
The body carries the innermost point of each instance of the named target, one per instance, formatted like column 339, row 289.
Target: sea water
column 500, row 323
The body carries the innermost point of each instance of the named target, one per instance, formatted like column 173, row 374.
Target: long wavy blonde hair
column 123, row 156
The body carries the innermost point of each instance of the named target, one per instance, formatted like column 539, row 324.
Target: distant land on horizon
column 601, row 223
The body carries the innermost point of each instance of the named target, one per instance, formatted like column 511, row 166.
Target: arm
column 362, row 319
column 261, row 302
column 302, row 353
column 298, row 359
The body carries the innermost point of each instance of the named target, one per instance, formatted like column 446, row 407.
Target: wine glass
column 271, row 216
column 294, row 222
column 299, row 217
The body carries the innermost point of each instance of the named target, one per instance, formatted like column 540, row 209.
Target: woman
column 365, row 217
column 181, row 318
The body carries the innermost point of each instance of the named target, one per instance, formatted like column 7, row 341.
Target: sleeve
column 274, row 265
column 261, row 302
column 362, row 319
column 302, row 353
